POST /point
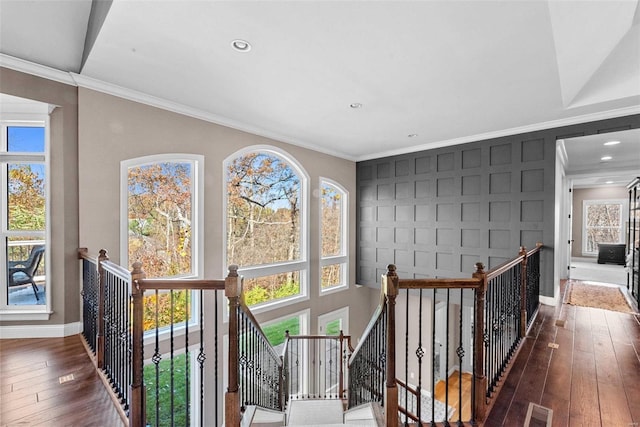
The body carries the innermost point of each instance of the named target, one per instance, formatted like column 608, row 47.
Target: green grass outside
column 179, row 393
column 333, row 327
column 275, row 331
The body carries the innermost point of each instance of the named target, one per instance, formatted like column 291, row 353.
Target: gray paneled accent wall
column 436, row 213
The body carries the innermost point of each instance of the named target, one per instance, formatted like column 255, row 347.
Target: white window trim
column 341, row 313
column 197, row 205
column 343, row 257
column 623, row 213
column 301, row 265
column 26, row 312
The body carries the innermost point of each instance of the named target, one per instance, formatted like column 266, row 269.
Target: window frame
column 197, row 230
column 584, row 229
column 343, row 258
column 301, row 265
column 39, row 120
column 197, row 206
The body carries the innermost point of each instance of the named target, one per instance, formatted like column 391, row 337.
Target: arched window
column 161, row 222
column 265, row 224
column 333, row 229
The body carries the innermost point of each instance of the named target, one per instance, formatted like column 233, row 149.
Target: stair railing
column 256, row 372
column 316, row 365
column 126, row 316
column 456, row 342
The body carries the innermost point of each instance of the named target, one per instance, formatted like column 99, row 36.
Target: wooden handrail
column 245, row 309
column 180, row 284
column 538, row 248
column 464, row 283
column 374, row 319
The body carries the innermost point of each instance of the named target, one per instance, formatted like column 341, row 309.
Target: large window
column 161, row 212
column 160, row 229
column 23, row 151
column 333, row 220
column 266, row 219
column 602, row 223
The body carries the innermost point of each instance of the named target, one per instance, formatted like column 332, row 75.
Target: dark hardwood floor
column 51, row 382
column 592, row 378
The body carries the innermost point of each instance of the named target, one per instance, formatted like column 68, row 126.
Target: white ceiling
column 447, row 71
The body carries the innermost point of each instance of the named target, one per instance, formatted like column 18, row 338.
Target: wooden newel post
column 137, row 410
column 479, row 377
column 102, row 257
column 523, row 292
column 232, row 290
column 390, row 289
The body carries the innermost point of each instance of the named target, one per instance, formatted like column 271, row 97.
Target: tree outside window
column 602, row 223
column 160, row 231
column 264, row 204
column 23, row 165
column 333, row 258
column 159, row 218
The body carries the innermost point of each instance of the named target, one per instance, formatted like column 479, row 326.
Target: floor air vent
column 538, row 416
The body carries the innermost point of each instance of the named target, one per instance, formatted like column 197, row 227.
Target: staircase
column 310, row 413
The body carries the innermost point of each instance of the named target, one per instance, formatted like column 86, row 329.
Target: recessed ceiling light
column 412, row 135
column 606, row 158
column 355, row 105
column 612, row 143
column 609, row 182
column 241, row 45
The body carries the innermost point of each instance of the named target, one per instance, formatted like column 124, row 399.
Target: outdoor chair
column 22, row 272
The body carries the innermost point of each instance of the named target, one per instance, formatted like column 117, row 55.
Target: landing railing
column 444, row 360
column 316, row 365
column 306, row 366
column 127, row 317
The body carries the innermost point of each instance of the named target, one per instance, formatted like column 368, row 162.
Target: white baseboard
column 41, row 331
column 552, row 301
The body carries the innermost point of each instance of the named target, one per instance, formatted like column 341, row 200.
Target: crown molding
column 34, row 69
column 175, row 107
column 143, row 98
column 585, row 118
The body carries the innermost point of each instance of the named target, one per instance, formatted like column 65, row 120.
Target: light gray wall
column 113, row 129
column 436, row 213
column 582, row 194
column 63, row 282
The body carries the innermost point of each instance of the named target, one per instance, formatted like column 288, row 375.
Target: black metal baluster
column 201, row 358
column 433, row 352
column 187, row 374
column 406, row 358
column 172, row 356
column 156, row 360
column 460, row 353
column 419, row 354
column 446, row 358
